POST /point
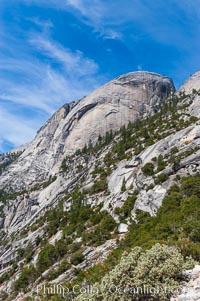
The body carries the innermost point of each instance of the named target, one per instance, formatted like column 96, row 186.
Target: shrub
column 4, row 277
column 158, row 267
column 85, row 213
column 148, row 169
column 46, row 258
column 161, row 178
column 149, row 187
column 191, row 186
column 101, row 233
column 123, row 188
column 28, row 276
column 77, row 258
column 100, row 185
column 128, row 205
column 107, row 224
column 161, row 163
column 141, row 216
column 75, row 247
column 174, row 150
column 28, row 254
column 64, row 266
column 176, row 223
column 3, row 295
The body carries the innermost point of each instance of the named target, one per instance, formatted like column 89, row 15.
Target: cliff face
column 113, row 105
column 148, row 157
column 192, row 85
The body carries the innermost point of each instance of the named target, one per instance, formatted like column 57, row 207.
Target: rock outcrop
column 192, row 83
column 41, row 185
column 111, row 106
column 192, row 86
column 191, row 290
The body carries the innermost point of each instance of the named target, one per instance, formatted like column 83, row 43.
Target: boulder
column 123, row 228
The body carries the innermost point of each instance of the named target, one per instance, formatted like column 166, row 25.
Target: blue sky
column 56, row 51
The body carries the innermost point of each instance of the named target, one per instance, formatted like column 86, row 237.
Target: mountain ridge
column 79, row 122
column 106, row 190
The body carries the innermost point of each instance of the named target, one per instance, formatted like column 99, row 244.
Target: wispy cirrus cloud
column 96, row 14
column 44, row 25
column 112, row 18
column 14, row 131
column 37, row 78
column 54, row 51
column 40, row 82
column 93, row 11
column 71, row 61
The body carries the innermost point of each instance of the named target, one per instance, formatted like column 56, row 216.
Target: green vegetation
column 4, row 195
column 125, row 142
column 139, row 269
column 176, row 221
column 28, row 275
column 176, row 224
column 125, row 211
column 6, row 276
column 148, row 169
column 99, row 185
column 47, row 257
column 102, row 231
column 161, row 178
column 161, row 163
column 123, row 188
column 64, row 266
column 7, row 159
column 95, row 227
column 77, row 258
column 64, row 166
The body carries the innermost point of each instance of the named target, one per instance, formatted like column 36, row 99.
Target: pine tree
column 123, row 188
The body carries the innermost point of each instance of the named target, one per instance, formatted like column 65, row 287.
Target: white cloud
column 97, row 14
column 39, row 86
column 45, row 25
column 92, row 10
column 70, row 61
column 156, row 18
column 63, row 75
column 42, row 87
column 111, row 34
column 15, row 130
column 111, row 18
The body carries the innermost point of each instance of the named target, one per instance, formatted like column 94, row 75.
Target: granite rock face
column 111, row 106
column 124, row 99
column 192, row 85
column 191, row 290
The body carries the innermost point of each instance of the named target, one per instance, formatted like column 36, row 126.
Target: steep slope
column 192, row 86
column 192, row 83
column 59, row 228
column 113, row 105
